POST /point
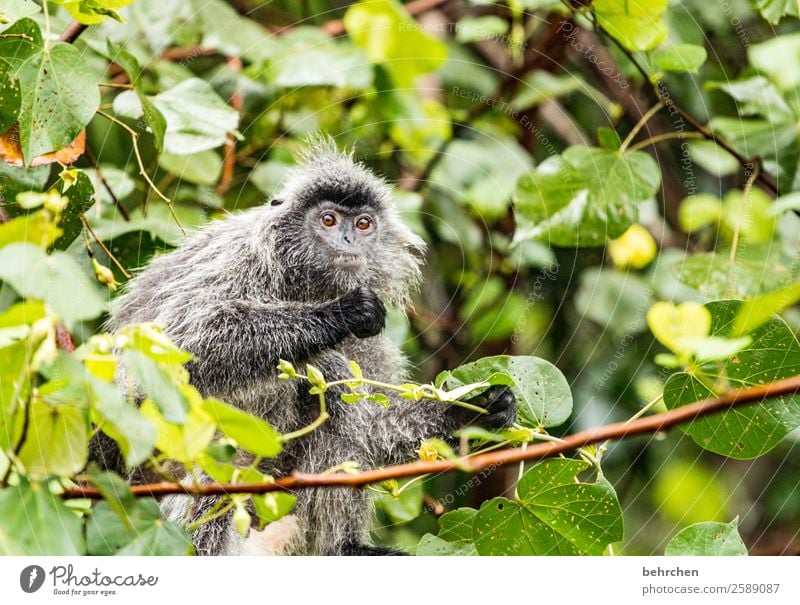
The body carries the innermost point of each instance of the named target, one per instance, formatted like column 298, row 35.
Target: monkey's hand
column 500, row 403
column 360, row 312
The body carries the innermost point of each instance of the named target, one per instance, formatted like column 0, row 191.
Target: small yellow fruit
column 635, row 248
column 427, row 453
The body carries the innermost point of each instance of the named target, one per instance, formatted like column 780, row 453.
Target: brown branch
column 72, row 32
column 663, row 94
column 620, row 430
column 236, row 102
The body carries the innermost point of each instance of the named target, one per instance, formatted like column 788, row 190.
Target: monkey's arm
column 237, row 341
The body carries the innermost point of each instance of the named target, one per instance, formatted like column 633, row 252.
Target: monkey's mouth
column 351, row 262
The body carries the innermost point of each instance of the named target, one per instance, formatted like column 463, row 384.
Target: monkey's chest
column 378, row 357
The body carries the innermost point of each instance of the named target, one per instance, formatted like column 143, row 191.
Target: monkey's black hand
column 498, row 400
column 361, row 312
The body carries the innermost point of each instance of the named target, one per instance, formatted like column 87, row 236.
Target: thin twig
column 620, row 430
column 639, row 125
column 93, row 161
column 142, row 171
column 665, row 136
column 663, row 94
column 100, row 243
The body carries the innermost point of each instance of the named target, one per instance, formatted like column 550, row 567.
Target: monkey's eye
column 363, row 223
column 328, row 219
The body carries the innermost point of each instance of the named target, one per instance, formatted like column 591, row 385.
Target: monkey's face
column 347, row 237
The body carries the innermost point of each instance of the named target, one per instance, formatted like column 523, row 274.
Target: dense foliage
column 608, row 189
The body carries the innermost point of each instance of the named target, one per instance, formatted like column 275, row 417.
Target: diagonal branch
column 647, row 425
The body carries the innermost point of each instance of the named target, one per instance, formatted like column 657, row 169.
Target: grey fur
column 243, row 292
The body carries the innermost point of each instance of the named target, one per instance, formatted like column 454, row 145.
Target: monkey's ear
column 276, row 202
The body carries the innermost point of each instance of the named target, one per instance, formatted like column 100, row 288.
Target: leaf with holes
column 708, row 540
column 455, row 535
column 59, row 95
column 543, row 394
column 748, row 431
column 552, row 515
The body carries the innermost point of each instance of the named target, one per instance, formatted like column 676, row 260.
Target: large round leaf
column 552, row 515
column 746, row 431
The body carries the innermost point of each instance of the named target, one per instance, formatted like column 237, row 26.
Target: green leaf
column 37, row 228
column 747, row 431
column 34, row 521
column 201, row 168
column 154, row 118
column 552, row 516
column 157, row 222
column 756, row 95
column 543, row 394
column 91, row 12
column 272, row 506
column 388, row 35
column 305, row 61
column 405, row 507
column 157, row 384
column 472, row 29
column 250, row 432
column 773, row 10
column 59, row 93
column 57, row 279
column 759, row 268
column 637, row 24
column 776, row 58
column 760, row 309
column 81, row 198
column 142, row 532
column 457, row 524
column 123, row 422
column 433, row 546
column 455, row 535
column 16, row 179
column 708, row 540
column 10, row 97
column 681, row 57
column 482, row 173
column 115, row 490
column 196, row 118
column 55, row 442
column 184, row 442
column 698, row 211
column 584, row 196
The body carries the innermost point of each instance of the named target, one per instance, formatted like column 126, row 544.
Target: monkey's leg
column 334, row 522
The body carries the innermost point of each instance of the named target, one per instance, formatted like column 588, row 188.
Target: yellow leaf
column 635, row 248
column 674, row 325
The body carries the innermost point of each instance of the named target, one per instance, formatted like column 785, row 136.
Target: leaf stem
column 104, row 247
column 666, row 136
column 748, row 186
column 323, row 416
column 639, row 125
